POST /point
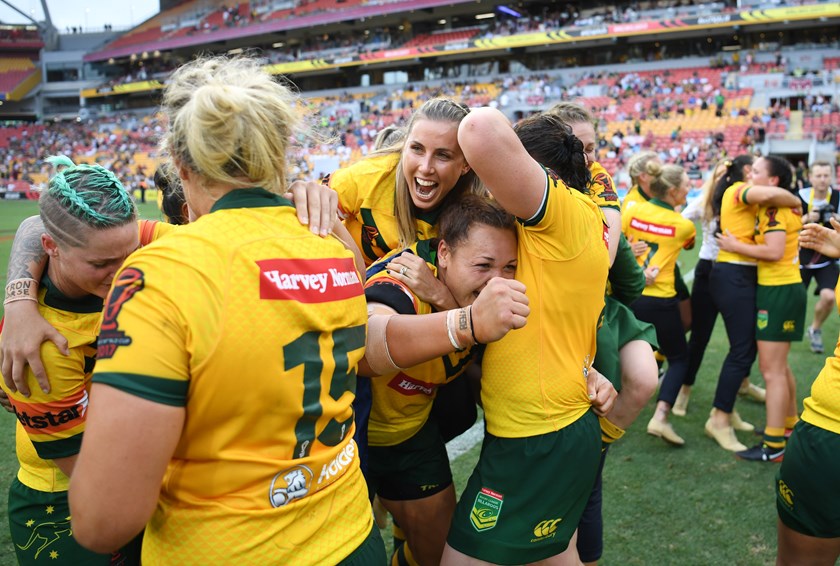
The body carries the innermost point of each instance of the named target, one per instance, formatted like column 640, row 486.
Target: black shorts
column 826, row 277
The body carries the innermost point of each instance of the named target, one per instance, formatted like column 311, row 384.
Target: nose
column 426, row 163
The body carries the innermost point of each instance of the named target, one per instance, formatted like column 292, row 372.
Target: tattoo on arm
column 28, row 258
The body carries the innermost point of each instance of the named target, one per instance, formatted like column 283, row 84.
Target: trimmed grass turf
column 662, row 505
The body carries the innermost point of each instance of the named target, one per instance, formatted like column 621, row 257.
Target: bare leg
column 796, row 549
column 823, row 308
column 425, row 523
column 772, row 360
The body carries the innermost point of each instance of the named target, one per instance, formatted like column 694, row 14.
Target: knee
column 827, row 296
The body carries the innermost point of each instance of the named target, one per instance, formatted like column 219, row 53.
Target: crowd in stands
column 641, row 111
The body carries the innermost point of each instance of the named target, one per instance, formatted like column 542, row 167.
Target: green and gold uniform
column 366, row 192
column 50, row 426
column 633, row 197
column 804, row 505
column 780, row 297
column 666, row 233
column 737, row 217
column 407, row 453
column 534, row 392
column 255, row 327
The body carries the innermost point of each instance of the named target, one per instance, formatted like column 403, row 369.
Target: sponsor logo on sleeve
column 53, row 417
column 652, row 228
column 127, row 284
column 309, row 280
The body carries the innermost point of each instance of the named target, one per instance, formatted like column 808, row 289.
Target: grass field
column 662, row 505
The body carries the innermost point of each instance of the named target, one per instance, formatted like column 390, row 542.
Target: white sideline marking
column 461, row 444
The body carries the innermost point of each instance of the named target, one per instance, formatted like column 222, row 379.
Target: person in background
column 820, row 203
column 666, row 233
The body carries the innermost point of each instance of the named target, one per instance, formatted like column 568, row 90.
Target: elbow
column 476, row 128
column 776, row 256
column 96, row 536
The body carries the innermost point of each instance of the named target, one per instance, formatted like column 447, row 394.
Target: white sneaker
column 815, row 336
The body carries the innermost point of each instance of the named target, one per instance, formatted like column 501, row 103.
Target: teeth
column 423, row 183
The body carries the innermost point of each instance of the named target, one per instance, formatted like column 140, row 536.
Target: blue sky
column 92, row 14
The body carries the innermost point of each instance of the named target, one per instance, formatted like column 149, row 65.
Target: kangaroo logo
column 47, row 533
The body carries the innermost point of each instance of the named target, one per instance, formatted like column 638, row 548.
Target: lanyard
column 811, row 199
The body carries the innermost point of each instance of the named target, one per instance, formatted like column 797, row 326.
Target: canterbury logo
column 546, row 528
column 785, row 493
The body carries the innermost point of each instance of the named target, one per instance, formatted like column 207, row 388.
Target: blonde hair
column 707, row 196
column 438, row 110
column 571, row 113
column 638, row 164
column 230, row 122
column 663, row 178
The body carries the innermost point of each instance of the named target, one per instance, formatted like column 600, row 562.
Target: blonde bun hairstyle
column 230, row 122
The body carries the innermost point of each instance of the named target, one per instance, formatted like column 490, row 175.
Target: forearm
column 772, row 196
column 341, row 232
column 407, row 351
column 761, row 252
column 28, row 258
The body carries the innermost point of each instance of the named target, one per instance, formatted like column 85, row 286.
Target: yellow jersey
column 403, row 400
column 366, row 192
column 255, row 326
column 666, row 232
column 739, row 218
column 50, row 425
column 602, row 190
column 534, row 379
column 786, row 270
column 633, row 197
column 822, row 408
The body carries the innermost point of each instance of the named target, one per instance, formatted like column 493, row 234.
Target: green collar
column 641, row 192
column 58, row 300
column 255, row 197
column 661, row 203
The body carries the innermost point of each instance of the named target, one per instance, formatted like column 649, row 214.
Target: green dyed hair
column 84, row 196
column 59, row 161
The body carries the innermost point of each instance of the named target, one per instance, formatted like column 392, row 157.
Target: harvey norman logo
column 652, row 228
column 309, row 280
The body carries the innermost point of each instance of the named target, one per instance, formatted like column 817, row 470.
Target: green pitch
column 662, row 505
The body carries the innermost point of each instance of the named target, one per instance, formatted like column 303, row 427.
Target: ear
column 444, row 254
column 50, row 246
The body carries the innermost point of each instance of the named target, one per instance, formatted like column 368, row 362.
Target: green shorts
column 526, row 496
column 781, row 312
column 370, row 553
column 414, row 469
column 40, row 526
column 620, row 326
column 807, row 490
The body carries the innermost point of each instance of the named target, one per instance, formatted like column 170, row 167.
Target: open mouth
column 423, row 188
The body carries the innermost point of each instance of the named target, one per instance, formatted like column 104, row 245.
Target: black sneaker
column 762, row 453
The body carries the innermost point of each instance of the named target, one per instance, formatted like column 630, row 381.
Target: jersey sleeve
column 771, row 219
column 602, row 189
column 55, row 421
column 343, row 183
column 627, row 278
column 563, row 225
column 688, row 234
column 151, row 230
column 142, row 347
column 740, row 194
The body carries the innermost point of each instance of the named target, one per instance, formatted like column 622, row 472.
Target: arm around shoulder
column 763, row 195
column 495, row 153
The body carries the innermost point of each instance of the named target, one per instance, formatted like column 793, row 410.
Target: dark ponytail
column 781, row 168
column 734, row 174
column 551, row 143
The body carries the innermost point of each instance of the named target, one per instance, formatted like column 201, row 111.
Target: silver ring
column 403, row 270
